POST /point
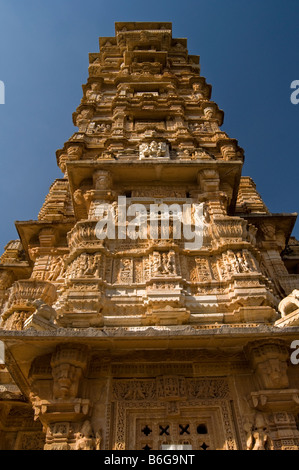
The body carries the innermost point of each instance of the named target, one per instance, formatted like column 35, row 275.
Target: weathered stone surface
column 141, row 342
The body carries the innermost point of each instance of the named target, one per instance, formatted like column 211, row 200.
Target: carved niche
column 173, row 409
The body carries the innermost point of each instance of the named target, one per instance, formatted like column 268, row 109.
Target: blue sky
column 248, row 53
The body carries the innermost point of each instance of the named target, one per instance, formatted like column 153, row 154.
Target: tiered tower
column 135, row 343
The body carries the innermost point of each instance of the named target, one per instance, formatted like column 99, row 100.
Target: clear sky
column 248, row 53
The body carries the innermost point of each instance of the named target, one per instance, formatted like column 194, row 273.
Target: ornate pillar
column 275, row 404
column 101, row 194
column 61, row 407
column 215, row 200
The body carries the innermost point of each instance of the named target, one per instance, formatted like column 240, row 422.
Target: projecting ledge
column 174, row 336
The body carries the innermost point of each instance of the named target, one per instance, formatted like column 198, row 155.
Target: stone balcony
column 23, row 293
column 83, row 236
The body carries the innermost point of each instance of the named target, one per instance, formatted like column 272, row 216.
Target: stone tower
column 123, row 342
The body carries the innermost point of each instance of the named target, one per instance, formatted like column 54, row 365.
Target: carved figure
column 243, row 263
column 93, row 95
column 44, row 310
column 19, row 320
column 290, row 303
column 56, row 269
column 257, row 434
column 85, row 438
column 153, row 150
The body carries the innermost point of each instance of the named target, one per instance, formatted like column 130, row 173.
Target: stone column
column 275, row 404
column 215, row 200
column 272, row 242
column 64, row 412
column 101, row 194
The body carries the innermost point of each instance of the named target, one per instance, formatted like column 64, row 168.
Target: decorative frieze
column 170, row 388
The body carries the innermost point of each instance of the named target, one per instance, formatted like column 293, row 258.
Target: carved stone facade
column 134, row 342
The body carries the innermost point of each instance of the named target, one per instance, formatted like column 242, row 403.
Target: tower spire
column 155, row 277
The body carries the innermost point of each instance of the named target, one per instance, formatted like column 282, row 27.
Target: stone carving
column 68, row 363
column 93, row 94
column 23, row 293
column 79, row 196
column 197, row 93
column 235, row 263
column 56, row 269
column 94, row 128
column 166, row 321
column 102, row 180
column 138, row 270
column 208, row 388
column 274, row 373
column 270, row 363
column 209, row 113
column 202, row 154
column 89, row 265
column 86, row 439
column 170, row 387
column 18, row 320
column 257, row 435
column 44, row 311
column 203, row 270
column 199, row 127
column 61, row 436
column 66, row 379
column 289, row 304
column 244, row 263
column 83, row 234
column 134, row 390
column 125, row 274
column 74, row 152
column 228, row 151
column 83, row 118
column 153, row 150
column 13, row 253
column 130, row 412
column 251, row 234
column 268, row 230
column 85, row 265
column 225, row 229
column 184, row 154
column 163, row 263
column 31, row 441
